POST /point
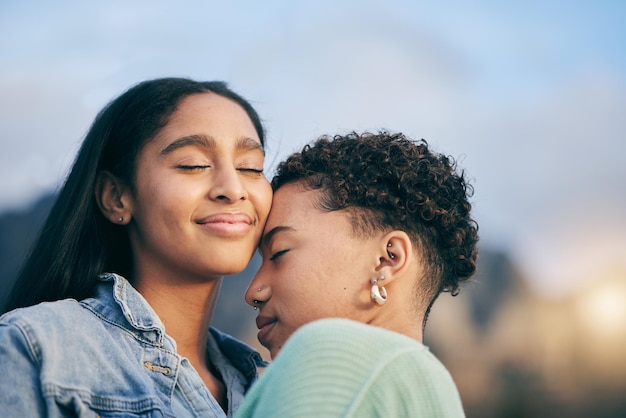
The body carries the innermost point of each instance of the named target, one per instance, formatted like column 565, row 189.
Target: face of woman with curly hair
column 313, row 267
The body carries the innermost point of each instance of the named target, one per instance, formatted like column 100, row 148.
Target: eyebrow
column 242, row 144
column 249, row 144
column 268, row 237
column 187, row 141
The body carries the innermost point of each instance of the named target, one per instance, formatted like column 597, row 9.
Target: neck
column 399, row 314
column 186, row 310
column 401, row 324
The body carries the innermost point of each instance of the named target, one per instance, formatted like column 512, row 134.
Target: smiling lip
column 227, row 223
column 265, row 324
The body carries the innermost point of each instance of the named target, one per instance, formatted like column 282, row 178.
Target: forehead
column 295, row 213
column 292, row 203
column 208, row 113
column 297, row 207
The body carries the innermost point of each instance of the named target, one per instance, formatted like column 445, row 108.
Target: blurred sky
column 530, row 97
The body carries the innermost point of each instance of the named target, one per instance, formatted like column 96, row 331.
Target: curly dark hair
column 389, row 182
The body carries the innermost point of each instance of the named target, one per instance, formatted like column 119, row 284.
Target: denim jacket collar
column 126, row 307
column 137, row 316
column 244, row 357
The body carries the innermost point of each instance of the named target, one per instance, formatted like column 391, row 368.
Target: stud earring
column 378, row 294
column 120, row 219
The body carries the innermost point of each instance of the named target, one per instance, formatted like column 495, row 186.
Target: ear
column 113, row 198
column 396, row 256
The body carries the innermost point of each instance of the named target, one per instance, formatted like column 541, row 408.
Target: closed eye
column 192, row 167
column 251, row 170
column 277, row 254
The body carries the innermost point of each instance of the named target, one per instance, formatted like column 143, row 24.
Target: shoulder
column 366, row 348
column 344, row 335
column 32, row 330
column 360, row 354
column 323, row 345
column 49, row 313
column 49, row 322
column 338, row 367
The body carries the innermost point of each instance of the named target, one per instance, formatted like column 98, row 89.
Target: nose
column 258, row 292
column 227, row 185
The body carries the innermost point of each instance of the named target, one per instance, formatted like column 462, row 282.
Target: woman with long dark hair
column 111, row 311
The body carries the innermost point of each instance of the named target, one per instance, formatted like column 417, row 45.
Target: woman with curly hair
column 364, row 233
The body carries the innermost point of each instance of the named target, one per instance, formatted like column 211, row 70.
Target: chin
column 230, row 268
column 274, row 351
column 228, row 260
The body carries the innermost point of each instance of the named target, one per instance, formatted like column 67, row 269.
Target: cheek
column 162, row 199
column 291, row 288
column 331, row 261
column 306, row 281
column 261, row 197
column 307, row 295
column 156, row 196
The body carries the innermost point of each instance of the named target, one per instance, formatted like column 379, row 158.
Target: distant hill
column 17, row 231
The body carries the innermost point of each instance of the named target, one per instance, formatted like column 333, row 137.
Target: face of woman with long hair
column 200, row 198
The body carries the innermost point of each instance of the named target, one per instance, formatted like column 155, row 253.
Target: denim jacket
column 109, row 356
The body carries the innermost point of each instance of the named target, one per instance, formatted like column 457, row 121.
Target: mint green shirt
column 342, row 368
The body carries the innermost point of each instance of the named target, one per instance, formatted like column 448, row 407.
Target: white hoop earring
column 379, row 294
